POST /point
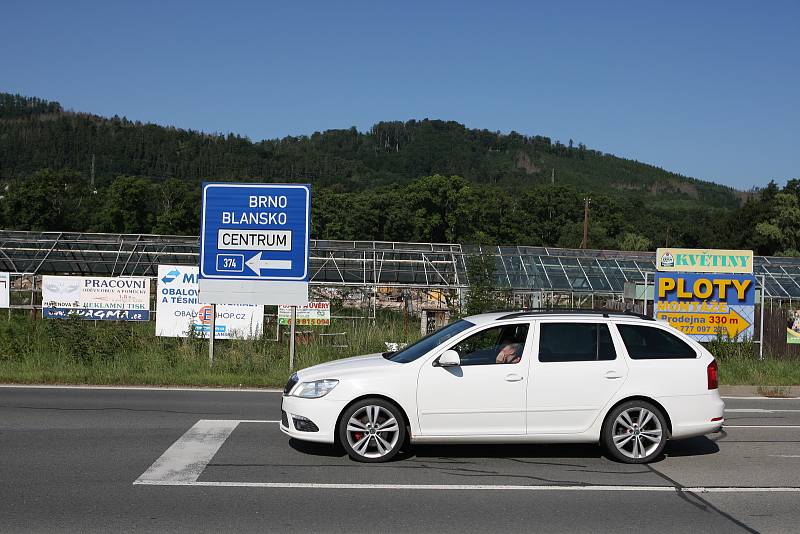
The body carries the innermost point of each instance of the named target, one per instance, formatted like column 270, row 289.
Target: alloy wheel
column 372, row 431
column 637, row 433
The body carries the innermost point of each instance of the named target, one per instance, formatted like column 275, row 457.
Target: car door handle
column 513, row 378
column 613, row 374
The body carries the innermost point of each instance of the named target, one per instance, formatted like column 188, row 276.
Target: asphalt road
column 69, row 459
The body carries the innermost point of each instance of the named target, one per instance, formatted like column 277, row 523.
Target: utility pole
column 553, row 176
column 94, row 191
column 585, row 242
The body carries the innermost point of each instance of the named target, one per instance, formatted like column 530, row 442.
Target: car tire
column 372, row 430
column 635, row 432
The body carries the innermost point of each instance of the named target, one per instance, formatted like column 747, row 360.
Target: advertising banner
column 793, row 327
column 694, row 260
column 705, row 306
column 5, row 290
column 96, row 298
column 179, row 311
column 314, row 314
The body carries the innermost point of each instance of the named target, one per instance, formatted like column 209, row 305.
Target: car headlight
column 315, row 389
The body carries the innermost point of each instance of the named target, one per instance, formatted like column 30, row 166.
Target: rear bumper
column 322, row 412
column 695, row 415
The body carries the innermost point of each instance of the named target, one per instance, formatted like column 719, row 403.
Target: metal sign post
column 211, row 335
column 292, row 323
column 761, row 322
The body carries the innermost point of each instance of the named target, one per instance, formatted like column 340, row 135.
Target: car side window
column 648, row 343
column 496, row 345
column 575, row 342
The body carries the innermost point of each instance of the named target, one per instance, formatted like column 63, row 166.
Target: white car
column 622, row 380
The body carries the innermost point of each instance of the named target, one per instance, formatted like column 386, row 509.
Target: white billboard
column 313, row 314
column 179, row 311
column 96, row 298
column 5, row 290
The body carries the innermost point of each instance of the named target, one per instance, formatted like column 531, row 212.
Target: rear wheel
column 372, row 430
column 635, row 432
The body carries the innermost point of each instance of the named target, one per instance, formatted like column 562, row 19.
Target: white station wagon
column 622, row 380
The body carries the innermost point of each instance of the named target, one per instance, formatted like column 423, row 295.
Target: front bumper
column 323, row 412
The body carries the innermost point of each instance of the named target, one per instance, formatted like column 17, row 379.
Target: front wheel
column 372, row 430
column 635, row 432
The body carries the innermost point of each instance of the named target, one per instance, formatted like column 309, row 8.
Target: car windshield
column 424, row 345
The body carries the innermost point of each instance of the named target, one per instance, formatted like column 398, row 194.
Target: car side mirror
column 449, row 358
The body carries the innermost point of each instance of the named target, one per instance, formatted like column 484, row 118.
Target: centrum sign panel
column 96, row 298
column 314, row 314
column 704, row 306
column 254, row 243
column 692, row 260
column 179, row 311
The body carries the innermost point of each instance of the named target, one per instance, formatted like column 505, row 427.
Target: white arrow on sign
column 256, row 264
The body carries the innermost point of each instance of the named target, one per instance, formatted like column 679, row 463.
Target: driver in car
column 511, row 353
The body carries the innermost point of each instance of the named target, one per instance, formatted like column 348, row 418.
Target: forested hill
column 415, row 180
column 37, row 134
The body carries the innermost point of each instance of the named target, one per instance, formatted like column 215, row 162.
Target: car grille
column 290, row 384
column 284, row 419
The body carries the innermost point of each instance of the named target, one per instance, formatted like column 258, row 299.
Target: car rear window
column 648, row 343
column 575, row 342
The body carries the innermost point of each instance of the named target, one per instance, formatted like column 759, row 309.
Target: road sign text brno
column 254, row 243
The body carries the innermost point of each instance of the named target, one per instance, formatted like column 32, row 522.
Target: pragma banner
column 96, row 298
column 706, row 305
column 179, row 310
column 693, row 260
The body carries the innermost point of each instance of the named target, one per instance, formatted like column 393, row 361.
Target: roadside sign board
column 5, row 290
column 254, row 243
column 692, row 260
column 96, row 298
column 707, row 305
column 179, row 312
column 313, row 314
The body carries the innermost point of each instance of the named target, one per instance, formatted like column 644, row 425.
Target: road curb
column 760, row 391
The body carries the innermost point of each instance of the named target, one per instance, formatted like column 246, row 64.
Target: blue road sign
column 255, row 232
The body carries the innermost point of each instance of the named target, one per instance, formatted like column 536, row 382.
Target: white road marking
column 785, row 455
column 476, row 487
column 757, row 410
column 258, row 421
column 184, row 460
column 760, row 426
column 141, row 388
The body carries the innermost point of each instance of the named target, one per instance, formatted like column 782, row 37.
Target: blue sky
column 707, row 89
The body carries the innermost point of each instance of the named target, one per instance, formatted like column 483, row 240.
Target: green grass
column 739, row 364
column 82, row 352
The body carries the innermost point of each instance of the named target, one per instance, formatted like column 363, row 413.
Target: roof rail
column 575, row 311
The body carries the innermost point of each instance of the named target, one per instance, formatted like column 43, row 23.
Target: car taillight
column 713, row 375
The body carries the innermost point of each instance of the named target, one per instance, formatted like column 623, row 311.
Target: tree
column 634, row 242
column 129, row 206
column 47, row 200
column 781, row 232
